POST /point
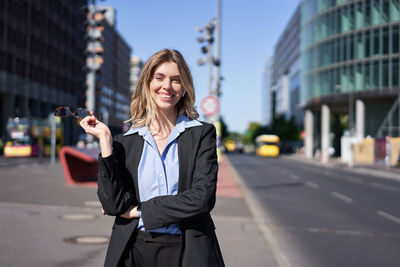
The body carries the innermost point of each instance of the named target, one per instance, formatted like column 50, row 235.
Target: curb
column 356, row 169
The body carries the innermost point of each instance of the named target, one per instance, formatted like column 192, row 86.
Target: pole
column 351, row 113
column 53, row 139
column 210, row 69
column 91, row 74
column 217, row 75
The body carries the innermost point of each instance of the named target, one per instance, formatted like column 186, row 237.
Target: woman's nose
column 166, row 83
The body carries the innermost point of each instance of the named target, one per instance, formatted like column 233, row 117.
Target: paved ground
column 40, row 215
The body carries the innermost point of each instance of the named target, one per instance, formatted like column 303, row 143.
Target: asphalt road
column 325, row 217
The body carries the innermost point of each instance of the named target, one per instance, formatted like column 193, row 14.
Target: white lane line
column 388, row 216
column 342, row 197
column 294, row 177
column 384, row 187
column 92, row 203
column 312, row 185
column 353, row 179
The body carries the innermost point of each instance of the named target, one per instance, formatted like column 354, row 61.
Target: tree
column 285, row 129
column 250, row 134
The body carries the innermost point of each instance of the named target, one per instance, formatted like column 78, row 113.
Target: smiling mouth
column 165, row 96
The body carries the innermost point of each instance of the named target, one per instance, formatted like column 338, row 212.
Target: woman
column 159, row 178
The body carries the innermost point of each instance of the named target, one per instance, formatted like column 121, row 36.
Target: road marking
column 93, row 203
column 294, row 177
column 384, row 187
column 342, row 197
column 77, row 217
column 45, row 206
column 312, row 185
column 353, row 179
column 260, row 215
column 388, row 216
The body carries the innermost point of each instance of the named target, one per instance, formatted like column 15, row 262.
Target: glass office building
column 350, row 51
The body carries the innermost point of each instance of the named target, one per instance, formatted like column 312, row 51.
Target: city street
column 324, row 217
column 47, row 223
column 297, row 215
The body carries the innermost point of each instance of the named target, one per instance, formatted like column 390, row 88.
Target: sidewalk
column 378, row 169
column 241, row 240
column 40, row 213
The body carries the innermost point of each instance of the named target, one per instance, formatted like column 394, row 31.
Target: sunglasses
column 79, row 113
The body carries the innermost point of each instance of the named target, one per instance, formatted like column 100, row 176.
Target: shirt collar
column 182, row 123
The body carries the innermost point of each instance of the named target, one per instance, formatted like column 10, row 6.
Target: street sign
column 210, row 105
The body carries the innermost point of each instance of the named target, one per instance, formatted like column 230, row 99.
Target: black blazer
column 190, row 208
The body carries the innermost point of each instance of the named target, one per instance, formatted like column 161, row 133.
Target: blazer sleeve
column 115, row 192
column 199, row 200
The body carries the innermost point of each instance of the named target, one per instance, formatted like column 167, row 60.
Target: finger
column 87, row 121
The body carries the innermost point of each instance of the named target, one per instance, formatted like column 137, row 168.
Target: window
column 385, row 11
column 359, row 16
column 358, row 77
column 367, row 75
column 395, row 10
column 367, row 13
column 375, row 82
column 395, row 72
column 395, row 40
column 385, row 41
column 376, row 12
column 376, row 48
column 385, row 73
column 359, row 46
column 367, row 44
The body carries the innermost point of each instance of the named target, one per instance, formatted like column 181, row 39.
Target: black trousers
column 146, row 249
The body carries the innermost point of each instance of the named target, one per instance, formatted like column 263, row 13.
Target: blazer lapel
column 134, row 153
column 185, row 140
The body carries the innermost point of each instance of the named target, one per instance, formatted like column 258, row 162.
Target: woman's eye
column 158, row 78
column 176, row 81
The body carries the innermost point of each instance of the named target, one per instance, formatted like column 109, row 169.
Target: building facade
column 112, row 79
column 349, row 69
column 266, row 98
column 135, row 71
column 41, row 61
column 286, row 71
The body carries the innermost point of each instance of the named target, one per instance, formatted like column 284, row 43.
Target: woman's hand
column 94, row 127
column 98, row 129
column 131, row 213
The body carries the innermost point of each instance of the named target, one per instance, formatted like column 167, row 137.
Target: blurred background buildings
column 48, row 49
column 112, row 67
column 41, row 62
column 344, row 72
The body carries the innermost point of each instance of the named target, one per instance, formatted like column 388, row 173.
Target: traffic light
column 207, row 37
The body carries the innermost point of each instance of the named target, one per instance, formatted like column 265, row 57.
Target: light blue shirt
column 158, row 175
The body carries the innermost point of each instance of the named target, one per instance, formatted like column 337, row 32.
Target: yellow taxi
column 267, row 145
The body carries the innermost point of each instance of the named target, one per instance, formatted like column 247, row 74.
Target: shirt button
column 161, row 175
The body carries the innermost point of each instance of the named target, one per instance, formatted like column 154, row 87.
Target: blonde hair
column 142, row 105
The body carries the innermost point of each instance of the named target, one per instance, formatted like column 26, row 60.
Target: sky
column 250, row 30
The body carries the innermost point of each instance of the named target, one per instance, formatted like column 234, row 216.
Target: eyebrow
column 162, row 74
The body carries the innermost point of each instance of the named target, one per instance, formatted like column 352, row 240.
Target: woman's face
column 166, row 87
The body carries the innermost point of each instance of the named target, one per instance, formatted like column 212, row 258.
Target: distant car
column 267, row 145
column 230, row 146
